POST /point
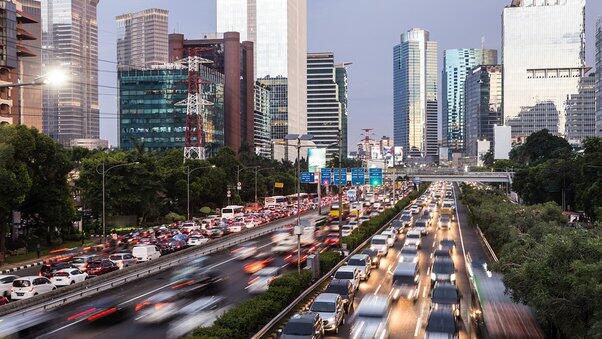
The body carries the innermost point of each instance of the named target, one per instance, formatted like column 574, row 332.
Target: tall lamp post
column 104, row 174
column 188, row 171
column 298, row 230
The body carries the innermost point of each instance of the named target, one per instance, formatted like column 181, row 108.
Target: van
column 146, row 252
column 406, row 279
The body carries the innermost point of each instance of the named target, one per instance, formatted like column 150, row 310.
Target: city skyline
column 331, row 26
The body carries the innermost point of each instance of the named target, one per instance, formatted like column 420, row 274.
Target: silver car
column 371, row 320
column 331, row 308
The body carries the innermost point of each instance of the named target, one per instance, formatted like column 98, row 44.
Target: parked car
column 123, row 260
column 6, row 283
column 100, row 267
column 304, row 326
column 344, row 288
column 363, row 263
column 27, row 287
column 331, row 308
column 68, row 276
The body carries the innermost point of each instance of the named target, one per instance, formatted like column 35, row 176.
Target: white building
column 502, row 142
column 142, row 39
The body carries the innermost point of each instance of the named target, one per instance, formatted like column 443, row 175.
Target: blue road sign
column 307, row 177
column 358, row 176
column 340, row 178
column 326, row 175
column 376, row 176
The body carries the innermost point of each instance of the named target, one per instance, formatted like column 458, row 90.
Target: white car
column 68, row 276
column 414, row 238
column 261, row 280
column 391, row 237
column 350, row 273
column 380, row 244
column 245, row 251
column 196, row 240
column 236, row 227
column 347, row 229
column 123, row 260
column 27, row 287
column 6, row 283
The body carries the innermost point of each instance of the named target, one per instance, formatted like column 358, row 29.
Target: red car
column 103, row 266
column 332, row 239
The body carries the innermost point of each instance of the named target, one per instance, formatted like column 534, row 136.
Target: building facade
column 142, row 39
column 20, row 61
column 415, row 98
column 483, row 105
column 342, row 79
column 278, row 30
column 263, row 121
column 324, row 110
column 234, row 59
column 152, row 107
column 544, row 63
column 457, row 64
column 581, row 111
column 72, row 111
column 599, row 77
column 278, row 105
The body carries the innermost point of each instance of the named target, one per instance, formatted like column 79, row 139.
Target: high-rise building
column 234, row 59
column 263, row 121
column 415, row 95
column 152, row 109
column 20, row 61
column 142, row 39
column 279, row 31
column 544, row 63
column 457, row 63
column 70, row 41
column 278, row 105
column 483, row 105
column 342, row 79
column 599, row 77
column 325, row 116
column 581, row 111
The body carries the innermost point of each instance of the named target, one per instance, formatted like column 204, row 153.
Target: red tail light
column 81, row 314
column 102, row 314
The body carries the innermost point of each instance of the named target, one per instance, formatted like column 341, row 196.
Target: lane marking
column 378, row 289
column 418, row 325
column 424, row 292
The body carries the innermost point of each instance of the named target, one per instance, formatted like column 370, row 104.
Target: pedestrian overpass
column 429, row 175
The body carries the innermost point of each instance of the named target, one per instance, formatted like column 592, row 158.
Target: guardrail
column 65, row 295
column 269, row 328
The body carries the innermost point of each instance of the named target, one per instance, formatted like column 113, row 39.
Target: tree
column 539, row 147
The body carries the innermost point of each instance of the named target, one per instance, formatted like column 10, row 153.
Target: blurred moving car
column 27, row 287
column 441, row 324
column 261, row 280
column 158, row 308
column 32, row 326
column 444, row 222
column 68, row 276
column 413, row 238
column 123, row 260
column 81, row 262
column 245, row 250
column 260, row 261
column 304, row 326
column 104, row 311
column 445, row 295
column 374, row 257
column 447, row 244
column 199, row 313
column 405, row 282
column 371, row 320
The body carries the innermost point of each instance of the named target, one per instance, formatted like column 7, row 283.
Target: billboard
column 316, row 159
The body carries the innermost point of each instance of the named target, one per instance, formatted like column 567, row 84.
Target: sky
column 359, row 31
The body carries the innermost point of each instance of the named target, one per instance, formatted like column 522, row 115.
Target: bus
column 232, row 211
column 275, row 201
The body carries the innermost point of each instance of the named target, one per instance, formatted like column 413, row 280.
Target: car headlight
column 330, row 320
column 433, row 276
column 452, row 277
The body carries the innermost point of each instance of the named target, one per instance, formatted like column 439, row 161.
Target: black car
column 47, row 270
column 442, row 253
column 345, row 289
column 446, row 295
column 442, row 324
column 447, row 244
column 306, row 325
column 373, row 254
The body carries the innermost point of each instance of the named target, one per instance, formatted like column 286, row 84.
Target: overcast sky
column 358, row 31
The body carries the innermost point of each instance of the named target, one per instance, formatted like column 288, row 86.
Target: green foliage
column 553, row 268
column 328, row 260
column 173, row 217
column 246, row 318
column 539, row 147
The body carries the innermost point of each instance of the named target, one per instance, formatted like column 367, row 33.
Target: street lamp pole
column 341, row 188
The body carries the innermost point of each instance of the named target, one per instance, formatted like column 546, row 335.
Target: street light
column 298, row 230
column 55, row 77
column 188, row 171
column 104, row 174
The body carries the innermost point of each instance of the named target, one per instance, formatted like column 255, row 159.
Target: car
column 443, row 270
column 409, row 253
column 100, row 267
column 307, row 325
column 374, row 257
column 405, row 281
column 432, row 207
column 363, row 263
column 261, row 280
column 415, row 209
column 81, row 262
column 123, row 259
column 444, row 222
column 444, row 295
column 27, row 287
column 196, row 240
column 421, row 225
column 104, row 311
column 146, row 252
column 68, row 276
column 441, row 323
column 354, row 224
column 236, row 227
column 331, row 308
column 332, row 239
column 344, row 288
column 6, row 283
column 346, row 231
column 442, row 253
column 447, row 244
column 406, row 219
column 371, row 320
column 245, row 250
column 380, row 244
column 348, row 273
column 199, row 313
column 47, row 270
column 158, row 308
column 391, row 237
column 413, row 237
column 262, row 260
column 214, row 232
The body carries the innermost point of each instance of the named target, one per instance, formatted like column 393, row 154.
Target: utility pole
column 341, row 188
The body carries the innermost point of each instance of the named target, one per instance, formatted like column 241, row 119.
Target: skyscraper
column 324, row 110
column 263, row 122
column 544, row 63
column 342, row 79
column 142, row 39
column 581, row 111
column 415, row 95
column 483, row 105
column 68, row 26
column 457, row 63
column 599, row 77
column 279, row 31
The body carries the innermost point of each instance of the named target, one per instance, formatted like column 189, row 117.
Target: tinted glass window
column 21, row 283
column 323, row 307
column 357, row 262
column 442, row 323
column 338, row 289
column 445, row 294
column 298, row 328
column 344, row 275
column 379, row 241
column 443, row 267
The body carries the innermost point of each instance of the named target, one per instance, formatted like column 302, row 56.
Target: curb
column 21, row 267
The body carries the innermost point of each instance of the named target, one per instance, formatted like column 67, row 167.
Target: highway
column 233, row 290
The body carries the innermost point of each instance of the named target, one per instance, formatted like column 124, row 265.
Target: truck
column 334, row 211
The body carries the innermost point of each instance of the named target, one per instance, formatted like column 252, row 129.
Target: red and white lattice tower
column 194, row 139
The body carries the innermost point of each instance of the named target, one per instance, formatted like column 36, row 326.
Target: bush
column 328, row 260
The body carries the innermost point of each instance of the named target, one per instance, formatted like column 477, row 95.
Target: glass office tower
column 142, row 38
column 599, row 77
column 457, row 64
column 544, row 63
column 415, row 72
